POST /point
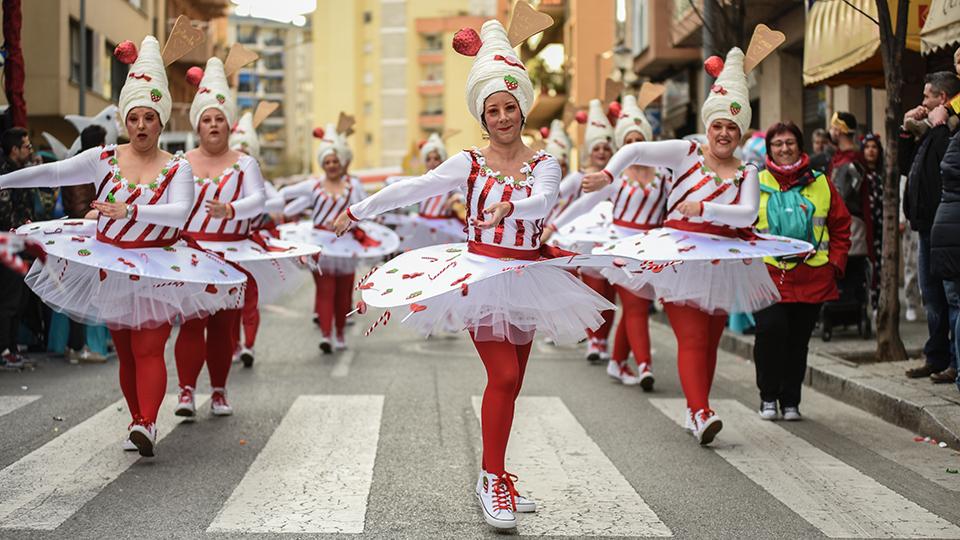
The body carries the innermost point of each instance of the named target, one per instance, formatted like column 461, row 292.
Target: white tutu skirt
column 99, row 283
column 495, row 299
column 276, row 265
column 716, row 274
column 416, row 231
column 340, row 256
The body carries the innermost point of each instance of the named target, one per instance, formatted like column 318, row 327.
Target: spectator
column 909, row 255
column 920, row 161
column 872, row 151
column 790, row 188
column 16, row 208
column 945, row 236
column 822, row 150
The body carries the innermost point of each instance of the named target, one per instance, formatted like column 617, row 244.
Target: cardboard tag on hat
column 263, row 110
column 238, row 57
column 648, row 93
column 182, row 39
column 526, row 22
column 611, row 90
column 763, row 42
column 345, row 124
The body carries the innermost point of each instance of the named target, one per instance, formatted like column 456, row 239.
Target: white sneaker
column 911, row 314
column 688, row 423
column 218, row 403
column 706, row 426
column 144, row 437
column 127, row 444
column 339, row 344
column 524, row 505
column 325, row 345
column 235, row 359
column 621, row 371
column 791, row 414
column 646, row 376
column 246, row 356
column 768, row 410
column 596, row 350
column 496, row 501
column 186, row 407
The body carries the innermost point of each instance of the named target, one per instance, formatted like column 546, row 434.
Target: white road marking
column 47, row 486
column 832, row 496
column 315, row 472
column 8, row 404
column 578, row 490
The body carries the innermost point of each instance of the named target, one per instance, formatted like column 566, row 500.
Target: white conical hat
column 497, row 69
column 558, row 143
column 244, row 136
column 213, row 93
column 433, row 144
column 729, row 97
column 598, row 129
column 332, row 142
column 146, row 84
column 632, row 118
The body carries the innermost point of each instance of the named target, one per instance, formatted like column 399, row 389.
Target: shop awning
column 842, row 45
column 942, row 27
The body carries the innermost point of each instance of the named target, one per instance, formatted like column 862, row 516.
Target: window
column 433, row 42
column 76, row 62
column 116, row 74
column 640, row 20
column 272, row 61
column 368, row 138
column 367, row 17
column 246, row 33
column 246, row 82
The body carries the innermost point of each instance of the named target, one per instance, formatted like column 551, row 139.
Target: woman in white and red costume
column 326, row 197
column 128, row 269
column 638, row 198
column 598, row 147
column 701, row 277
column 498, row 285
column 229, row 195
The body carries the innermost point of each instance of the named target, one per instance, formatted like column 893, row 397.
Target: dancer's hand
column 498, row 211
column 595, row 182
column 342, row 224
column 547, row 233
column 112, row 210
column 219, row 210
column 690, row 208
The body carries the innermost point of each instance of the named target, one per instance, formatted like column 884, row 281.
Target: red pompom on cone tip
column 581, row 117
column 613, row 109
column 713, row 66
column 544, row 132
column 420, row 144
column 318, row 132
column 194, row 76
column 467, row 42
column 126, row 52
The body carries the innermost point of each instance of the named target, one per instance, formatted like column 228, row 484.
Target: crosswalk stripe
column 314, row 473
column 578, row 490
column 834, row 497
column 8, row 404
column 47, row 486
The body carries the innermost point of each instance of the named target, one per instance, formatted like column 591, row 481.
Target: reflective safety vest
column 818, row 193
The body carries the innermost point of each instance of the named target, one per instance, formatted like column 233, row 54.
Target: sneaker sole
column 646, row 384
column 326, row 348
column 143, row 443
column 496, row 523
column 593, row 358
column 186, row 413
column 711, row 432
column 247, row 360
column 221, row 413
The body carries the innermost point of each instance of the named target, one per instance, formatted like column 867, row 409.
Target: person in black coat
column 920, row 161
column 945, row 239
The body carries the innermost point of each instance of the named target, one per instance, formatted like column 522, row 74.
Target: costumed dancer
column 558, row 144
column 229, row 195
column 639, row 199
column 326, row 198
column 128, row 269
column 501, row 286
column 704, row 263
column 244, row 139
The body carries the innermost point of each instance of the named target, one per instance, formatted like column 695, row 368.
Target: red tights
column 605, row 289
column 143, row 375
column 209, row 340
column 505, row 364
column 250, row 316
column 633, row 332
column 332, row 302
column 698, row 336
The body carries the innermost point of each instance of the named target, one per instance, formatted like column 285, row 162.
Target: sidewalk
column 842, row 369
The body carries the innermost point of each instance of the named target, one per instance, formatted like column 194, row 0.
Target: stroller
column 853, row 306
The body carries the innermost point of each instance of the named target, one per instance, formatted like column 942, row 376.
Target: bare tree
column 892, row 44
column 13, row 68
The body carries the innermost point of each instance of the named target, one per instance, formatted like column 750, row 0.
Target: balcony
column 431, row 88
column 686, row 26
column 431, row 120
column 430, row 56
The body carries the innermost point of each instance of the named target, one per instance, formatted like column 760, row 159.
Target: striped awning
column 842, row 44
column 942, row 27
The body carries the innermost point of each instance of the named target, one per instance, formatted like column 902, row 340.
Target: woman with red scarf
column 784, row 329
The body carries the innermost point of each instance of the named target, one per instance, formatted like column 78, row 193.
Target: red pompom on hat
column 420, row 144
column 713, row 66
column 194, row 76
column 318, row 133
column 581, row 117
column 613, row 109
column 467, row 42
column 126, row 52
column 544, row 132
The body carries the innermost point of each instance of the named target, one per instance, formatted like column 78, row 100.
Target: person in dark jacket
column 783, row 329
column 920, row 161
column 16, row 208
column 945, row 239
